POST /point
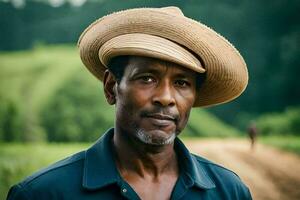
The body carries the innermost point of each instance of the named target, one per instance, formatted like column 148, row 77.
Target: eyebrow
column 145, row 69
column 150, row 69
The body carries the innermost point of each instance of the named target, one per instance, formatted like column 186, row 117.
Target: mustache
column 162, row 113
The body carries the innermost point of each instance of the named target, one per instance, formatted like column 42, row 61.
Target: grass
column 287, row 143
column 30, row 78
column 35, row 75
column 203, row 123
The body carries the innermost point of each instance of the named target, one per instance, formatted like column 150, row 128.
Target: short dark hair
column 117, row 67
column 200, row 79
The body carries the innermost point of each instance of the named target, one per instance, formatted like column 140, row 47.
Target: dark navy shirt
column 92, row 174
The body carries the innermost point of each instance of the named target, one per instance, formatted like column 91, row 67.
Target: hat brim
column 138, row 44
column 226, row 71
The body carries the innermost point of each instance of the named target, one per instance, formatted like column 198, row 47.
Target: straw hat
column 165, row 33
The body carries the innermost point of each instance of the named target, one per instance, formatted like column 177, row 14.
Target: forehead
column 146, row 64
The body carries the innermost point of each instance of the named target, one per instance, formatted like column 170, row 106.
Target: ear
column 109, row 83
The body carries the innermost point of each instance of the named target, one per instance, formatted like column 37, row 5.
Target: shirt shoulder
column 63, row 173
column 227, row 182
column 211, row 166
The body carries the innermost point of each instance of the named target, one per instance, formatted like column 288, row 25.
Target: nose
column 164, row 95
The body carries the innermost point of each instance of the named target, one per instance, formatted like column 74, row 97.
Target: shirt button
column 124, row 190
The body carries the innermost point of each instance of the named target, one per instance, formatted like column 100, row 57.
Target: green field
column 287, row 143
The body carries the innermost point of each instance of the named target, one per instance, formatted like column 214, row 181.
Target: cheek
column 186, row 97
column 131, row 100
column 185, row 101
column 184, row 106
column 184, row 117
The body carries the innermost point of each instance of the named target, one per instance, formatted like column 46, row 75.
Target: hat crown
column 172, row 10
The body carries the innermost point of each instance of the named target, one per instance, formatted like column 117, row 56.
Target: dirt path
column 269, row 173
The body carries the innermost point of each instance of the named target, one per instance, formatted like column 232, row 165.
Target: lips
column 161, row 116
column 159, row 119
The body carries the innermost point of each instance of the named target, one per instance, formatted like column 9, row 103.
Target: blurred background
column 51, row 107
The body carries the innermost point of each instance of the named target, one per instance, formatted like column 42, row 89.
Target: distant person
column 155, row 65
column 252, row 133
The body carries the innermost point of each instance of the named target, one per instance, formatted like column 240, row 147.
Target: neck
column 134, row 157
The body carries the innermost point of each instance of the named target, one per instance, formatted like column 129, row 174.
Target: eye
column 147, row 79
column 182, row 83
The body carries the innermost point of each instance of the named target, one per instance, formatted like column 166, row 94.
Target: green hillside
column 46, row 93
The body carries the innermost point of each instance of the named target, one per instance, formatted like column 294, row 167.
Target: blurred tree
column 76, row 113
column 285, row 123
column 10, row 121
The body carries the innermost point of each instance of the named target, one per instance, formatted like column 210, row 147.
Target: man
column 252, row 133
column 155, row 65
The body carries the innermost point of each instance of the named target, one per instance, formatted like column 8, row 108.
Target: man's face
column 153, row 100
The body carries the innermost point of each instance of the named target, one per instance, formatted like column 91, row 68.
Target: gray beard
column 148, row 139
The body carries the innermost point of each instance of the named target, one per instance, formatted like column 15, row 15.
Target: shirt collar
column 99, row 165
column 100, row 168
column 192, row 168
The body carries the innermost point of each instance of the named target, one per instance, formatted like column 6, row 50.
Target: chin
column 157, row 138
